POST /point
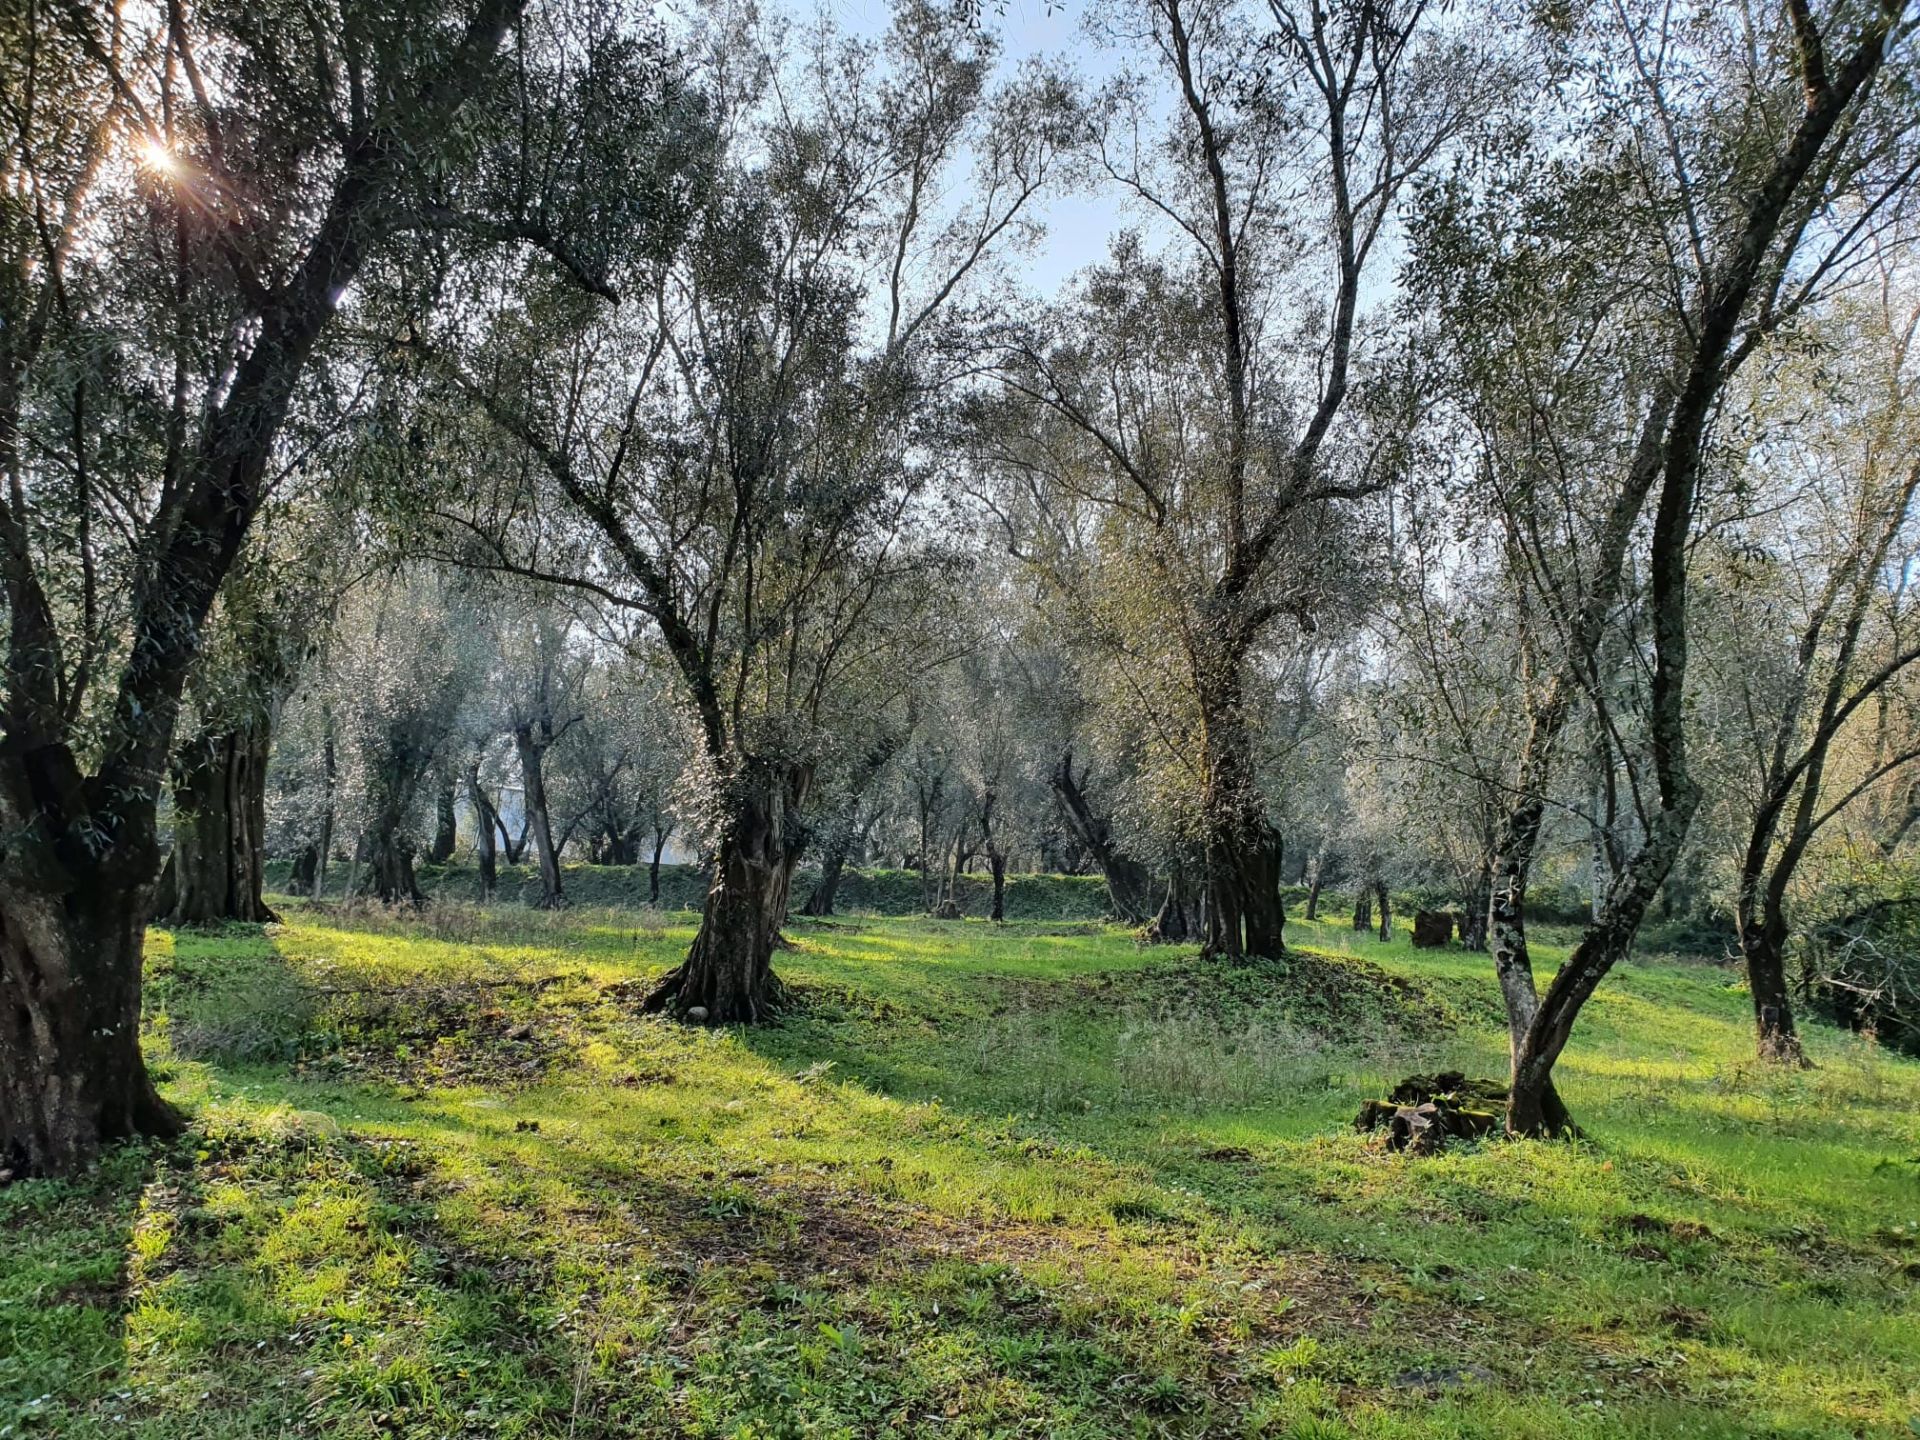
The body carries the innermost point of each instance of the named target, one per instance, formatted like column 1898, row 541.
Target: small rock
column 696, row 1014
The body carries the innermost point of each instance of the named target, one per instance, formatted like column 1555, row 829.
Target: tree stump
column 1432, row 929
column 1426, row 1111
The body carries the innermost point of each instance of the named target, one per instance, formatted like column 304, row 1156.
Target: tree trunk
column 1473, row 916
column 1386, row 910
column 305, row 879
column 444, row 829
column 1128, row 883
column 1178, row 919
column 1316, row 876
column 820, row 902
column 997, row 862
column 71, row 1074
column 653, row 865
column 1541, row 1111
column 533, row 782
column 390, row 863
column 330, row 769
column 219, row 829
column 513, row 846
column 1763, row 944
column 728, row 973
column 485, row 822
column 1363, row 908
column 1243, row 851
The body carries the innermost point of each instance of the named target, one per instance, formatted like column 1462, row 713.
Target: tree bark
column 533, row 782
column 485, row 822
column 390, row 863
column 1473, row 916
column 445, row 831
column 1316, row 877
column 653, row 865
column 1386, row 909
column 1242, row 850
column 1128, row 883
column 1763, row 944
column 71, row 1074
column 832, row 866
column 1363, row 909
column 219, row 829
column 728, row 972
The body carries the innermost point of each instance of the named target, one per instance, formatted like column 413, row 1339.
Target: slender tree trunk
column 1543, row 1112
column 219, row 829
column 728, row 972
column 1316, row 876
column 653, row 865
column 533, row 781
column 514, row 847
column 1363, row 908
column 71, row 1074
column 1386, row 909
column 331, row 771
column 997, row 863
column 1473, row 917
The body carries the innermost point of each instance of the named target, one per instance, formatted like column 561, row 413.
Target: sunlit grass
column 1030, row 1179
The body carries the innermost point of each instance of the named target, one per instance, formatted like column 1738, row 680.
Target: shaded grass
column 1032, row 1179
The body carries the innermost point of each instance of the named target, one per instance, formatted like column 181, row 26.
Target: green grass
column 1023, row 1180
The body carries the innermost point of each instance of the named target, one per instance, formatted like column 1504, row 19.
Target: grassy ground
column 1033, row 1180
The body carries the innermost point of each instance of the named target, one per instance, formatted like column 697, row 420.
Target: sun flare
column 154, row 155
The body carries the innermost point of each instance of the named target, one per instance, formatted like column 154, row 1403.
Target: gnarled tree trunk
column 1243, row 851
column 728, row 972
column 71, row 1074
column 820, row 901
column 219, row 829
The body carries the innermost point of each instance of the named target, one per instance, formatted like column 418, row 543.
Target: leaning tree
column 188, row 195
